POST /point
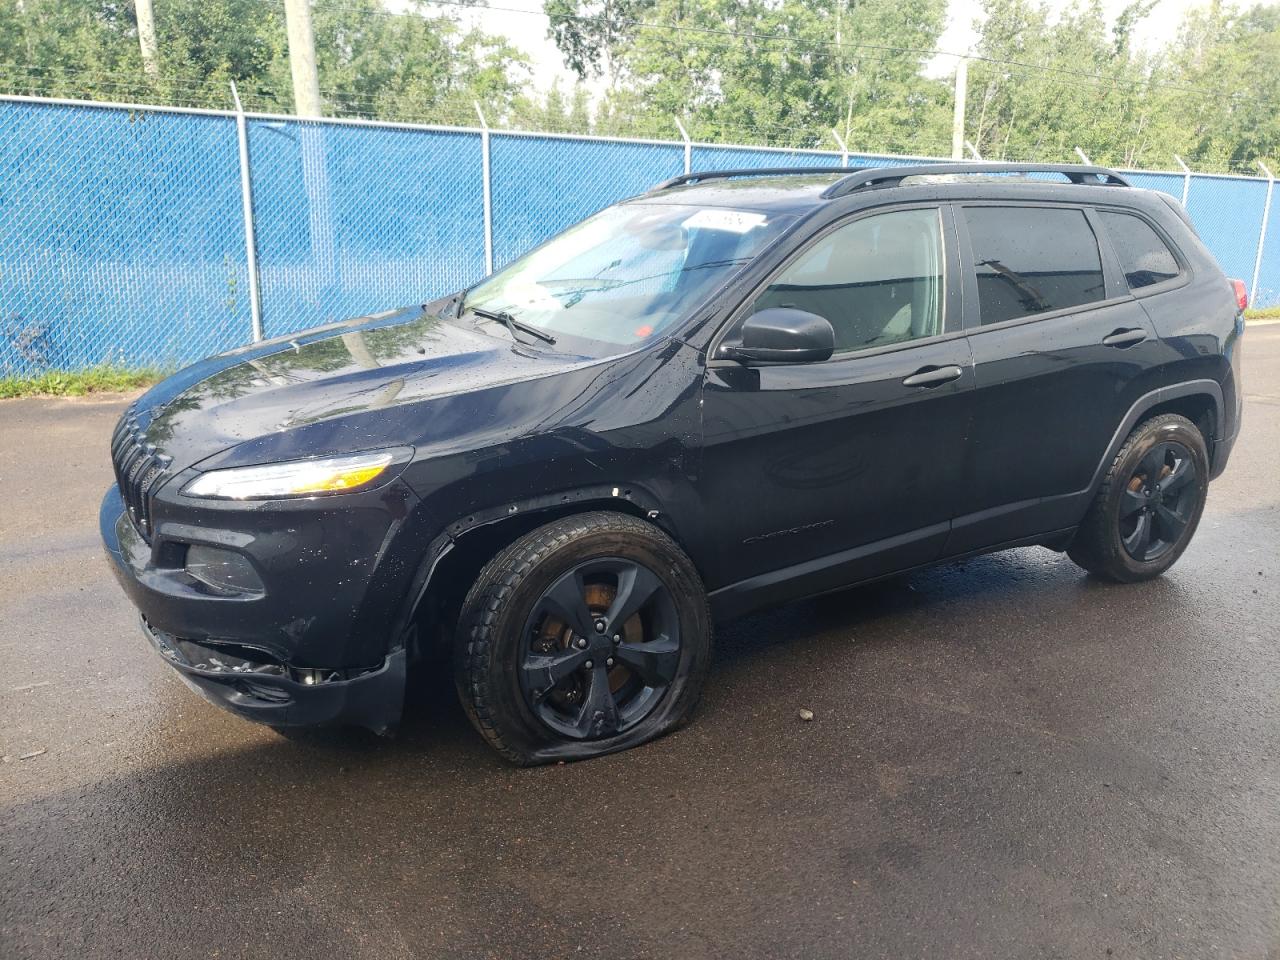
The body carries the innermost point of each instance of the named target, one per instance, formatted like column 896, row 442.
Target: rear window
column 1031, row 260
column 1144, row 257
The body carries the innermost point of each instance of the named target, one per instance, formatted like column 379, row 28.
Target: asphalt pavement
column 1007, row 759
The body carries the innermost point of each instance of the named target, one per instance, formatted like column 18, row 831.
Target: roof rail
column 686, row 178
column 893, row 176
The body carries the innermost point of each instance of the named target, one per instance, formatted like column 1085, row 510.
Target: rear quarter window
column 1031, row 260
column 1144, row 257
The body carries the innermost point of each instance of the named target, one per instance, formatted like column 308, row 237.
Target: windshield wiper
column 512, row 324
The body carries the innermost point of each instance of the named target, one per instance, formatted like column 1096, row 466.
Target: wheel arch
column 1200, row 408
column 456, row 556
column 1200, row 401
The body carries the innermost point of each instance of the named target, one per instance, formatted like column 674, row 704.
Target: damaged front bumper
column 276, row 694
column 231, row 664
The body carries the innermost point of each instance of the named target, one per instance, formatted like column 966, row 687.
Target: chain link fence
column 121, row 239
column 349, row 219
column 123, row 235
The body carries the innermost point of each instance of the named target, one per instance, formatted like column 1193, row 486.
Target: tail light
column 1242, row 295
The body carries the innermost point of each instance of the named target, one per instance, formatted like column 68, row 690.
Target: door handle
column 1125, row 338
column 933, row 376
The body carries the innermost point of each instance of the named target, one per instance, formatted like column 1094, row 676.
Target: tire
column 520, row 615
column 1111, row 542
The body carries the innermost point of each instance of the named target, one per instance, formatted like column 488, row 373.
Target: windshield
column 627, row 273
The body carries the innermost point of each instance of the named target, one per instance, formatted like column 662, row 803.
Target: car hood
column 355, row 367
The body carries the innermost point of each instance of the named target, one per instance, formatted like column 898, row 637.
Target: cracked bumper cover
column 238, row 676
column 274, row 694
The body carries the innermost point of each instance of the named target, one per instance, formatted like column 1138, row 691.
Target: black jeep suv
column 739, row 389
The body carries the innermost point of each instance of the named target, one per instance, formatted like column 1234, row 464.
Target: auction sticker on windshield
column 733, row 221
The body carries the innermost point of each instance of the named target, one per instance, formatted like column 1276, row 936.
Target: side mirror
column 784, row 335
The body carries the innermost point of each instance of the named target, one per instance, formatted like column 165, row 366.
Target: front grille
column 139, row 470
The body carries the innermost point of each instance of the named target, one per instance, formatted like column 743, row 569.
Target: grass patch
column 62, row 383
column 1263, row 313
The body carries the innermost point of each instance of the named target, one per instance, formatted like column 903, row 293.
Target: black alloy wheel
column 1149, row 503
column 585, row 636
column 1158, row 502
column 602, row 646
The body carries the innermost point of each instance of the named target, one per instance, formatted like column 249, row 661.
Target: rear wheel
column 1149, row 504
column 584, row 637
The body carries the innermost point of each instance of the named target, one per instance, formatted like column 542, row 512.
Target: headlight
column 294, row 478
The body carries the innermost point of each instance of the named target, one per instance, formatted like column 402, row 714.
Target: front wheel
column 586, row 636
column 1149, row 504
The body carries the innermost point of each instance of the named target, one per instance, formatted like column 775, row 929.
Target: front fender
column 499, row 525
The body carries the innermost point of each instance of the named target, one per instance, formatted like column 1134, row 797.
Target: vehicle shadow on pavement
column 880, row 615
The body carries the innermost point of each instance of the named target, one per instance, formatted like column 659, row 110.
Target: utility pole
column 957, row 120
column 311, row 139
column 147, row 36
column 302, row 58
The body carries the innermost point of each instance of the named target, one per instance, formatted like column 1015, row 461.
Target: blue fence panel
column 1227, row 212
column 543, row 184
column 1170, row 183
column 875, row 160
column 121, row 238
column 352, row 219
column 1268, row 292
column 121, row 231
column 706, row 157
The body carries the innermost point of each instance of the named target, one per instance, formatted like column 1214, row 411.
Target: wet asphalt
column 1007, row 759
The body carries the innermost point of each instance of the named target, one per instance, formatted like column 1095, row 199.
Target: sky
column 528, row 31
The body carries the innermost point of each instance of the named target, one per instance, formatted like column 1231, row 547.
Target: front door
column 821, row 474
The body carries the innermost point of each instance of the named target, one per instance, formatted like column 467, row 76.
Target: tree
column 742, row 69
column 587, row 32
column 1051, row 83
column 1047, row 78
column 1046, row 86
column 371, row 62
column 554, row 111
column 60, row 47
column 1225, row 108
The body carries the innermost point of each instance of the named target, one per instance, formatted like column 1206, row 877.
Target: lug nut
column 588, row 664
column 582, row 643
column 599, row 626
column 609, row 662
column 617, row 638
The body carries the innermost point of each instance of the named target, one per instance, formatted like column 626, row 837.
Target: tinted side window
column 1031, row 260
column 1143, row 255
column 878, row 280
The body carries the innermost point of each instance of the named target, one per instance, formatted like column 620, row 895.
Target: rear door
column 1061, row 351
